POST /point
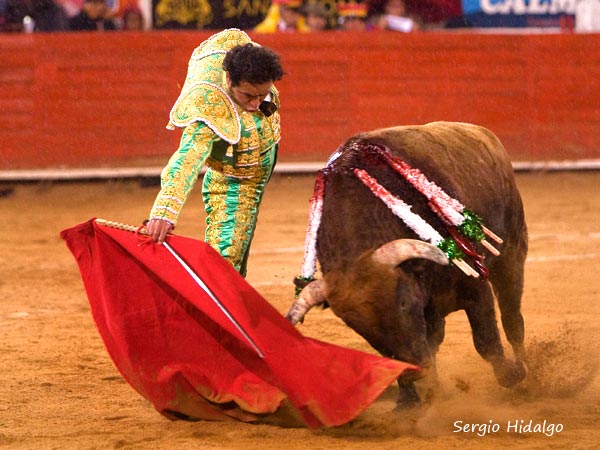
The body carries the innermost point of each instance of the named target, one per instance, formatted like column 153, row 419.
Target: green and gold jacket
column 217, row 133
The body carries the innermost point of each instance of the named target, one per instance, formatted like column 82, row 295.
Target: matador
column 229, row 112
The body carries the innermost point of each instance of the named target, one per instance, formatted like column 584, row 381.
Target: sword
column 198, row 281
column 212, row 296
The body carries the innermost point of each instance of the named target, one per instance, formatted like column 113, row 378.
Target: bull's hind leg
column 479, row 307
column 507, row 280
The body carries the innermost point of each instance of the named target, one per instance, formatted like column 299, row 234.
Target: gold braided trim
column 245, row 172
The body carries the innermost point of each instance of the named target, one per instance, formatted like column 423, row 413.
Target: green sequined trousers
column 232, row 210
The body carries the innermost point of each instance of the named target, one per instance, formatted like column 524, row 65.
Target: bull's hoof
column 509, row 373
column 408, row 397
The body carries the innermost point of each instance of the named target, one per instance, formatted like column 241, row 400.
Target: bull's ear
column 398, row 251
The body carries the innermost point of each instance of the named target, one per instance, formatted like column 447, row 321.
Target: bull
column 389, row 284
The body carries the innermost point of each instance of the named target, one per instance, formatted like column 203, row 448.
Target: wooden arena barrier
column 102, row 99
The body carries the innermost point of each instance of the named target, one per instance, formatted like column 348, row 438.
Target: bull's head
column 377, row 299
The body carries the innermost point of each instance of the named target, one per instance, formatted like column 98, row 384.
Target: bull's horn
column 398, row 251
column 313, row 294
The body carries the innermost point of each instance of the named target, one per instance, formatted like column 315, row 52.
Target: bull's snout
column 312, row 294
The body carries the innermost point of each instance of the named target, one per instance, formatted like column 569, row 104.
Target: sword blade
column 212, row 296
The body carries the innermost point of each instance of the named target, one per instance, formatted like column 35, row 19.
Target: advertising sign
column 519, row 13
column 209, row 14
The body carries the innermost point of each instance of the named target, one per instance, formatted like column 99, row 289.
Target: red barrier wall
column 89, row 99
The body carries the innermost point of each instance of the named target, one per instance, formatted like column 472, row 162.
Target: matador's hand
column 158, row 229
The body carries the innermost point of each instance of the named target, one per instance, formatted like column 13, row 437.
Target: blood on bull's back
column 467, row 161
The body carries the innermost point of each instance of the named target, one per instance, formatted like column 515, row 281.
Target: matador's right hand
column 158, row 229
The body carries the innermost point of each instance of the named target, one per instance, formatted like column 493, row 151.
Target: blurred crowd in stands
column 294, row 15
column 403, row 16
column 60, row 15
column 282, row 16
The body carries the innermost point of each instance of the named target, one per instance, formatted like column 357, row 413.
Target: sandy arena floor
column 60, row 390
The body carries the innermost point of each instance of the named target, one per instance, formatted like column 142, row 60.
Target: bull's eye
column 402, row 295
column 416, row 266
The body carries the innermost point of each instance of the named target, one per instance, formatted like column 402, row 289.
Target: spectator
column 14, row 12
column 94, row 16
column 352, row 16
column 283, row 16
column 132, row 17
column 317, row 16
column 71, row 7
column 48, row 16
column 394, row 17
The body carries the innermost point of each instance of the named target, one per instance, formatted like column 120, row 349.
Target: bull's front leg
column 313, row 294
column 408, row 397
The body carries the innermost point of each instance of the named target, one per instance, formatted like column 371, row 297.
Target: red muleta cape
column 177, row 348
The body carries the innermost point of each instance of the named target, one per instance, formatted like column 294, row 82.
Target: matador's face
column 249, row 96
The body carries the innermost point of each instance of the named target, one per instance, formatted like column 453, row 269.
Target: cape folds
column 176, row 347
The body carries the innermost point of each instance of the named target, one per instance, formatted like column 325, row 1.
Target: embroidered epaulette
column 203, row 97
column 208, row 103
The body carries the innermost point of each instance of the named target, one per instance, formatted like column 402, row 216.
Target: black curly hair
column 253, row 64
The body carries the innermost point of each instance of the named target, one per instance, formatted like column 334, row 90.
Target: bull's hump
column 451, row 143
column 432, row 128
